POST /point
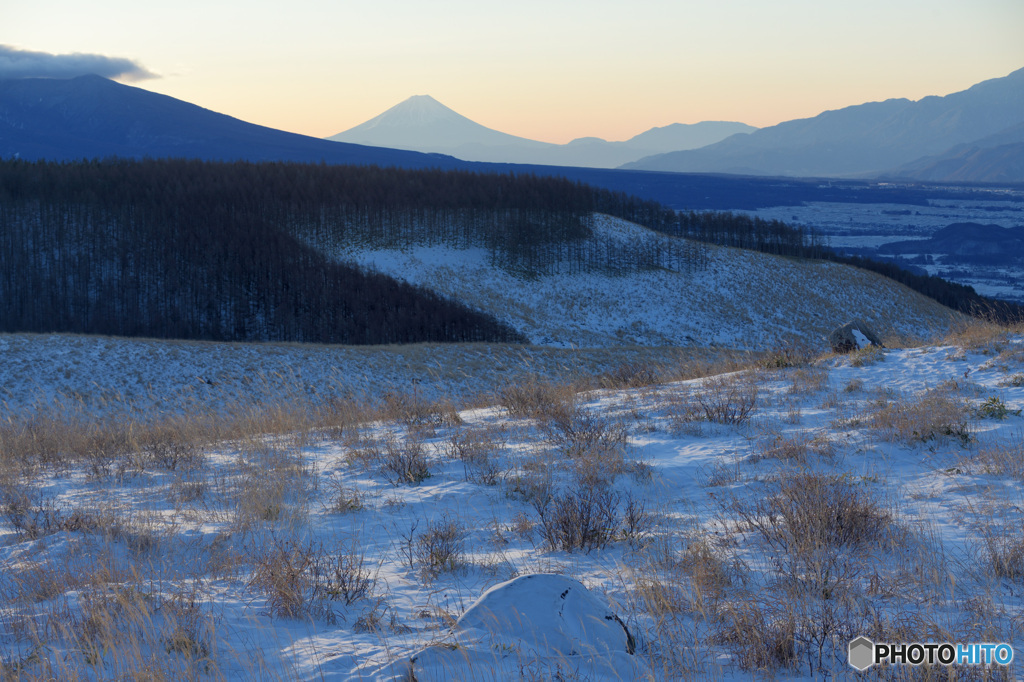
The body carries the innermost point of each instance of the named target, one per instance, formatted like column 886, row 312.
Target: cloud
column 15, row 63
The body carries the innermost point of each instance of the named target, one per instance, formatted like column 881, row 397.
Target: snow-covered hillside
column 351, row 554
column 742, row 299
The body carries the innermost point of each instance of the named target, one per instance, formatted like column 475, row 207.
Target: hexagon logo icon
column 862, row 653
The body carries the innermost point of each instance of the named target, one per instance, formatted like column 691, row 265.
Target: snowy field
column 751, row 523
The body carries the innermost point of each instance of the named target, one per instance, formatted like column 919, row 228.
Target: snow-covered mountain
column 421, row 123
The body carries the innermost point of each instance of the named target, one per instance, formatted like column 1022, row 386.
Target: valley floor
column 751, row 521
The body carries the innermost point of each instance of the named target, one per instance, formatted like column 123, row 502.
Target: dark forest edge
column 239, row 251
column 189, row 250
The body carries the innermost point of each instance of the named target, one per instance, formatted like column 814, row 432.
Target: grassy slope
column 743, row 299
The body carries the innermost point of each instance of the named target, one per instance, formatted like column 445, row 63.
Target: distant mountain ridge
column 92, row 117
column 997, row 158
column 869, row 139
column 421, row 123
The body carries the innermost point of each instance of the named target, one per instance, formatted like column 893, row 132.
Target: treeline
column 189, row 250
column 528, row 224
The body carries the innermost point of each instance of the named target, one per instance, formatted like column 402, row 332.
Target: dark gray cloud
column 15, row 63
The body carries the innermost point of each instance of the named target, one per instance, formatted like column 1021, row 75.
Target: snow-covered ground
column 308, row 556
column 741, row 300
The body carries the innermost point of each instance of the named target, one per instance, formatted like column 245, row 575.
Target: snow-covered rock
column 853, row 335
column 548, row 624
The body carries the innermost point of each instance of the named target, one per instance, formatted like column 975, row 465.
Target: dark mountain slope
column 92, row 117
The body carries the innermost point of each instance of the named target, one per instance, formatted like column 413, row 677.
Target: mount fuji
column 423, row 124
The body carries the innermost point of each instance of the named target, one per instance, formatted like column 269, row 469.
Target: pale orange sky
column 550, row 70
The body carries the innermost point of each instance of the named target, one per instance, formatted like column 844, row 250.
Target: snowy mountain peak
column 417, row 110
column 424, row 124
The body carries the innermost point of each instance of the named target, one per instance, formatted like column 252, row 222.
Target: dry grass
column 808, row 381
column 534, row 396
column 975, row 335
column 942, row 412
column 1004, row 459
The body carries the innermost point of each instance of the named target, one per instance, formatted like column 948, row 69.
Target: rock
column 853, row 335
column 550, row 626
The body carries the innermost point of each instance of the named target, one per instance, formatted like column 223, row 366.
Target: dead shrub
column 637, row 523
column 727, row 399
column 345, row 577
column 298, row 579
column 282, row 573
column 584, row 519
column 476, row 448
column 582, row 431
column 173, row 445
column 439, row 549
column 808, row 511
column 404, row 462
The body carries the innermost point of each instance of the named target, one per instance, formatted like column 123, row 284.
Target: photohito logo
column 863, row 653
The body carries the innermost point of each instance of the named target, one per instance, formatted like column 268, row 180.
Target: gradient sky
column 550, row 70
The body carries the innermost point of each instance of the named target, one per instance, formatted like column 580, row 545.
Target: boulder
column 548, row 625
column 853, row 335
